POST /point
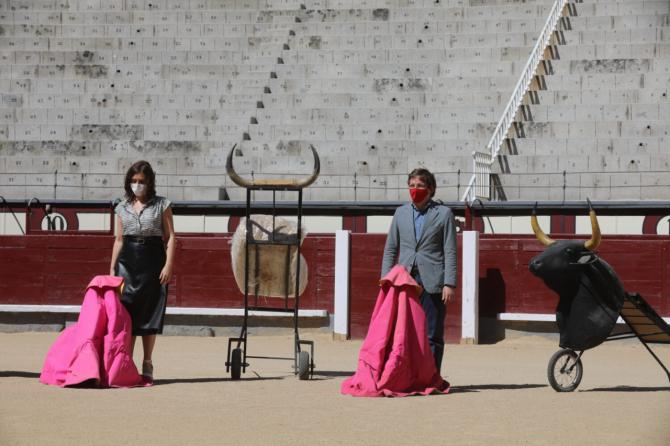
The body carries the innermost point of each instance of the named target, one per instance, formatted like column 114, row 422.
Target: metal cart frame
column 565, row 369
column 237, row 356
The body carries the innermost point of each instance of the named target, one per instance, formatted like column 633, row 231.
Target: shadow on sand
column 18, row 374
column 325, row 375
column 628, row 389
column 480, row 387
column 333, row 373
column 161, row 382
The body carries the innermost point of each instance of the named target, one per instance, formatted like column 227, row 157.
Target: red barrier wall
column 366, row 262
column 506, row 285
column 54, row 269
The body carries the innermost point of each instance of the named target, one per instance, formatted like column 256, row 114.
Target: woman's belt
column 144, row 240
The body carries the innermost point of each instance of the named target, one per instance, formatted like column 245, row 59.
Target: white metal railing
column 479, row 185
column 482, row 162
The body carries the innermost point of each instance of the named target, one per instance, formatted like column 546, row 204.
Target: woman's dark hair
column 427, row 178
column 145, row 168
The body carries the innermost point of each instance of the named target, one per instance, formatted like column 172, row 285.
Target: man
column 423, row 239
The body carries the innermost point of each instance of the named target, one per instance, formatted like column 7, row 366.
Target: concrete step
column 604, row 96
column 622, row 8
column 347, row 115
column 618, row 36
column 595, row 112
column 623, row 22
column 626, row 81
column 579, row 146
column 614, row 51
column 596, row 129
column 587, row 184
column 611, row 66
column 378, row 131
column 603, row 163
column 374, row 148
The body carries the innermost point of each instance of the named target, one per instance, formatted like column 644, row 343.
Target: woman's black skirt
column 140, row 262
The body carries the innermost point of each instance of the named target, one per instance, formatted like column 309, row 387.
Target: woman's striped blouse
column 148, row 222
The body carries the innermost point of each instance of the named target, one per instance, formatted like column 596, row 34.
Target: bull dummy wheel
column 236, row 364
column 303, row 365
column 565, row 370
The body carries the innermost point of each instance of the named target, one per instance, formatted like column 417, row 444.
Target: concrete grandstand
column 378, row 86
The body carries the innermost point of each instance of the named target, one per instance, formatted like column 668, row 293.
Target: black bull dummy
column 590, row 293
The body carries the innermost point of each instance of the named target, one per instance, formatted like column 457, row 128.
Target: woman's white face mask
column 138, row 189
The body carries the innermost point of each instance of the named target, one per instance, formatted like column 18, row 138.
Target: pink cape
column 395, row 359
column 97, row 348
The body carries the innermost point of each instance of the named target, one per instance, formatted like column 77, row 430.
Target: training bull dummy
column 96, row 350
column 395, row 358
column 269, row 261
column 590, row 292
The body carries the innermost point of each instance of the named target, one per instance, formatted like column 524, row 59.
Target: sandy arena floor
column 500, row 396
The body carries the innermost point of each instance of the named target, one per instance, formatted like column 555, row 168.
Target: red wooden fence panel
column 54, row 269
column 366, row 262
column 46, row 269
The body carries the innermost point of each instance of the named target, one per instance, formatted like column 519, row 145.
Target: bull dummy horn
column 273, row 182
column 539, row 233
column 595, row 230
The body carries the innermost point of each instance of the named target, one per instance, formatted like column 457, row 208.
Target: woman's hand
column 168, row 228
column 166, row 274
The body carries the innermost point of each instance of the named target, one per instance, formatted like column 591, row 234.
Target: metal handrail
column 353, row 208
column 460, row 209
column 481, row 169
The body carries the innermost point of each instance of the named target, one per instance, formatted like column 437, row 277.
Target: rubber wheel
column 565, row 370
column 303, row 365
column 236, row 364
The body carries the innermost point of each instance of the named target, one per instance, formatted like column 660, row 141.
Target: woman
column 139, row 256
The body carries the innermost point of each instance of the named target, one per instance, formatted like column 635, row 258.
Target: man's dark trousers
column 435, row 311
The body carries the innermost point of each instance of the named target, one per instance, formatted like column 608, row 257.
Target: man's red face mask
column 418, row 195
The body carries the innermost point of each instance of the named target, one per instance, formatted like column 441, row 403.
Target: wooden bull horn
column 595, row 230
column 539, row 233
column 273, row 182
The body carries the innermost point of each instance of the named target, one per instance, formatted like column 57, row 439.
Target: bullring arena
column 500, row 395
column 517, row 107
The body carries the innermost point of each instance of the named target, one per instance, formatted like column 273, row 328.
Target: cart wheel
column 236, row 364
column 564, row 371
column 303, row 365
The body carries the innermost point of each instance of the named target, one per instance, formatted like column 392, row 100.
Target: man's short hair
column 427, row 177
